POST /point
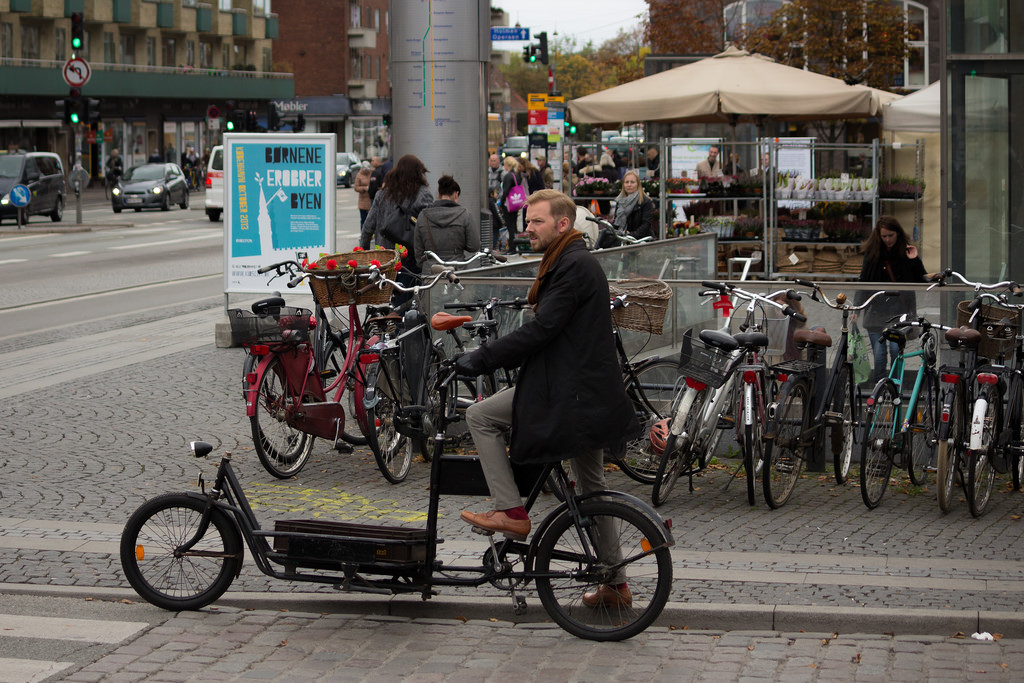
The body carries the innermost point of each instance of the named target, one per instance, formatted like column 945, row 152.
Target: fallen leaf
column 959, row 634
column 462, row 619
column 750, row 647
column 283, row 643
column 997, row 636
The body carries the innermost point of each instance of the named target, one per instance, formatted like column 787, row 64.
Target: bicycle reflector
column 749, row 376
column 987, row 378
column 950, row 378
column 695, row 385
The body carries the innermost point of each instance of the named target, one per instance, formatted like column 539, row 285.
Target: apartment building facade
column 160, row 69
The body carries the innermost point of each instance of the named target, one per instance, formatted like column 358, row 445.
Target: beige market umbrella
column 723, row 88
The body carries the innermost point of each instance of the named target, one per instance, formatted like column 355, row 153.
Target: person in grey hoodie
column 445, row 227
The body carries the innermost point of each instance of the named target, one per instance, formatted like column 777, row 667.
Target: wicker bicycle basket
column 998, row 327
column 646, row 304
column 284, row 324
column 340, row 286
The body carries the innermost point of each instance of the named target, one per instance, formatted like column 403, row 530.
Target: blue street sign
column 20, row 195
column 509, row 33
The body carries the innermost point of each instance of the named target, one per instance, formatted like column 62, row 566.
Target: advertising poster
column 279, row 204
column 685, row 157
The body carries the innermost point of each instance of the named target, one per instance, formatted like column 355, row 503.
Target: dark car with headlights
column 150, row 186
column 43, row 174
column 346, row 164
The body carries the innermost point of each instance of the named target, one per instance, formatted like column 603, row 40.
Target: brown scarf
column 551, row 256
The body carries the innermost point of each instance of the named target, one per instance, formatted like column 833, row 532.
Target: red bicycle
column 300, row 386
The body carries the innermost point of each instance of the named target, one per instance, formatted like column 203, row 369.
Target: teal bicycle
column 899, row 434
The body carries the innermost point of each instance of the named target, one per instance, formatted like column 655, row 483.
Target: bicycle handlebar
column 481, row 255
column 726, row 288
column 939, row 280
column 378, row 280
column 844, row 305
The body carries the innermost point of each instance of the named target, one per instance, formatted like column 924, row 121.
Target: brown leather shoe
column 496, row 520
column 606, row 596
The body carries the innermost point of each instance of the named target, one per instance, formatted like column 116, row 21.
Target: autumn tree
column 686, row 27
column 859, row 41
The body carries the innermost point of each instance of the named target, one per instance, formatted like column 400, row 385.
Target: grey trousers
column 489, row 421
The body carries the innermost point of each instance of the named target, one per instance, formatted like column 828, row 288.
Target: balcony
column 43, row 77
column 122, row 11
column 362, row 38
column 362, row 88
column 204, row 18
column 71, row 6
column 165, row 15
column 239, row 22
column 271, row 31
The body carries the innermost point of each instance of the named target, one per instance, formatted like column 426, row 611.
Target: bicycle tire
column 425, row 444
column 980, row 473
column 1015, row 420
column 714, row 433
column 149, row 561
column 949, row 452
column 877, row 452
column 650, row 390
column 753, row 455
column 675, row 460
column 387, row 443
column 784, row 451
column 567, row 570
column 843, row 436
column 282, row 449
column 921, row 432
column 355, row 428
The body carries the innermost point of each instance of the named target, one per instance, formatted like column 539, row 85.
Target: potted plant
column 749, row 227
column 901, row 187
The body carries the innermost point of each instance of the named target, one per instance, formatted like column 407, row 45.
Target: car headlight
column 116, row 191
column 5, row 200
column 158, row 189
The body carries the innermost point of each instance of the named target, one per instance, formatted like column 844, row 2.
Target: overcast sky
column 587, row 20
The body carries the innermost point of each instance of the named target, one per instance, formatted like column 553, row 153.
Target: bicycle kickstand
column 518, row 601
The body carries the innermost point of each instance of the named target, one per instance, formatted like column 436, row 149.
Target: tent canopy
column 721, row 88
column 917, row 112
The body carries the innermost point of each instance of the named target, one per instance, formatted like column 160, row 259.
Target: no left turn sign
column 76, row 72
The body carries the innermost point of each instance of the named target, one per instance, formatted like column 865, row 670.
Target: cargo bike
column 182, row 551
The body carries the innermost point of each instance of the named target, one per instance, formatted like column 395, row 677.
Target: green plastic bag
column 860, row 355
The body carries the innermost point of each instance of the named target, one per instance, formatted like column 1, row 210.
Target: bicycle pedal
column 482, row 531
column 726, row 422
column 519, row 605
column 830, row 417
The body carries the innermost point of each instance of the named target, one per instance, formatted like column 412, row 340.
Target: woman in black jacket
column 634, row 210
column 888, row 257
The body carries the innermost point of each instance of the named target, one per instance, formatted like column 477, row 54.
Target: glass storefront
column 984, row 151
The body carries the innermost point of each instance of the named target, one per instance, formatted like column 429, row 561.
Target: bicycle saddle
column 752, row 340
column 895, row 335
column 963, row 336
column 264, row 306
column 442, row 322
column 719, row 339
column 817, row 337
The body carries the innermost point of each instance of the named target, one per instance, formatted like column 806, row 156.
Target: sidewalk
column 90, row 441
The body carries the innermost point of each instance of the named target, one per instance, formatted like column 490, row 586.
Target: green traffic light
column 572, row 130
column 231, row 126
column 76, row 43
column 74, row 117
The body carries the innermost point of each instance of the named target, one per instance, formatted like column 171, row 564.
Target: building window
column 376, row 19
column 109, row 51
column 268, row 64
column 29, row 41
column 261, row 7
column 225, row 5
column 225, row 56
column 150, row 51
column 916, row 69
column 241, row 56
column 60, row 39
column 205, row 55
column 190, row 53
column 6, row 40
column 355, row 65
column 168, row 50
column 127, row 46
column 356, row 16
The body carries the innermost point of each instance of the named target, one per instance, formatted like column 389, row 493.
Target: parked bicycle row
column 962, row 420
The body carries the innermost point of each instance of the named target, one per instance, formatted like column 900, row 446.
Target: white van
column 215, row 183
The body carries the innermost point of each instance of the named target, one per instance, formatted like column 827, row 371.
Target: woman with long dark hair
column 888, row 257
column 405, row 190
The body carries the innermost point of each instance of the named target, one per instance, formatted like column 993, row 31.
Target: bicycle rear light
column 950, row 378
column 259, row 349
column 987, row 378
column 694, row 384
column 250, row 377
column 871, row 401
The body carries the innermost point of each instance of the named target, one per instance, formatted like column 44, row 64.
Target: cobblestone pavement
column 233, row 645
column 78, row 456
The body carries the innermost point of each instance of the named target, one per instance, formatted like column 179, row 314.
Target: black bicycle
column 182, row 550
